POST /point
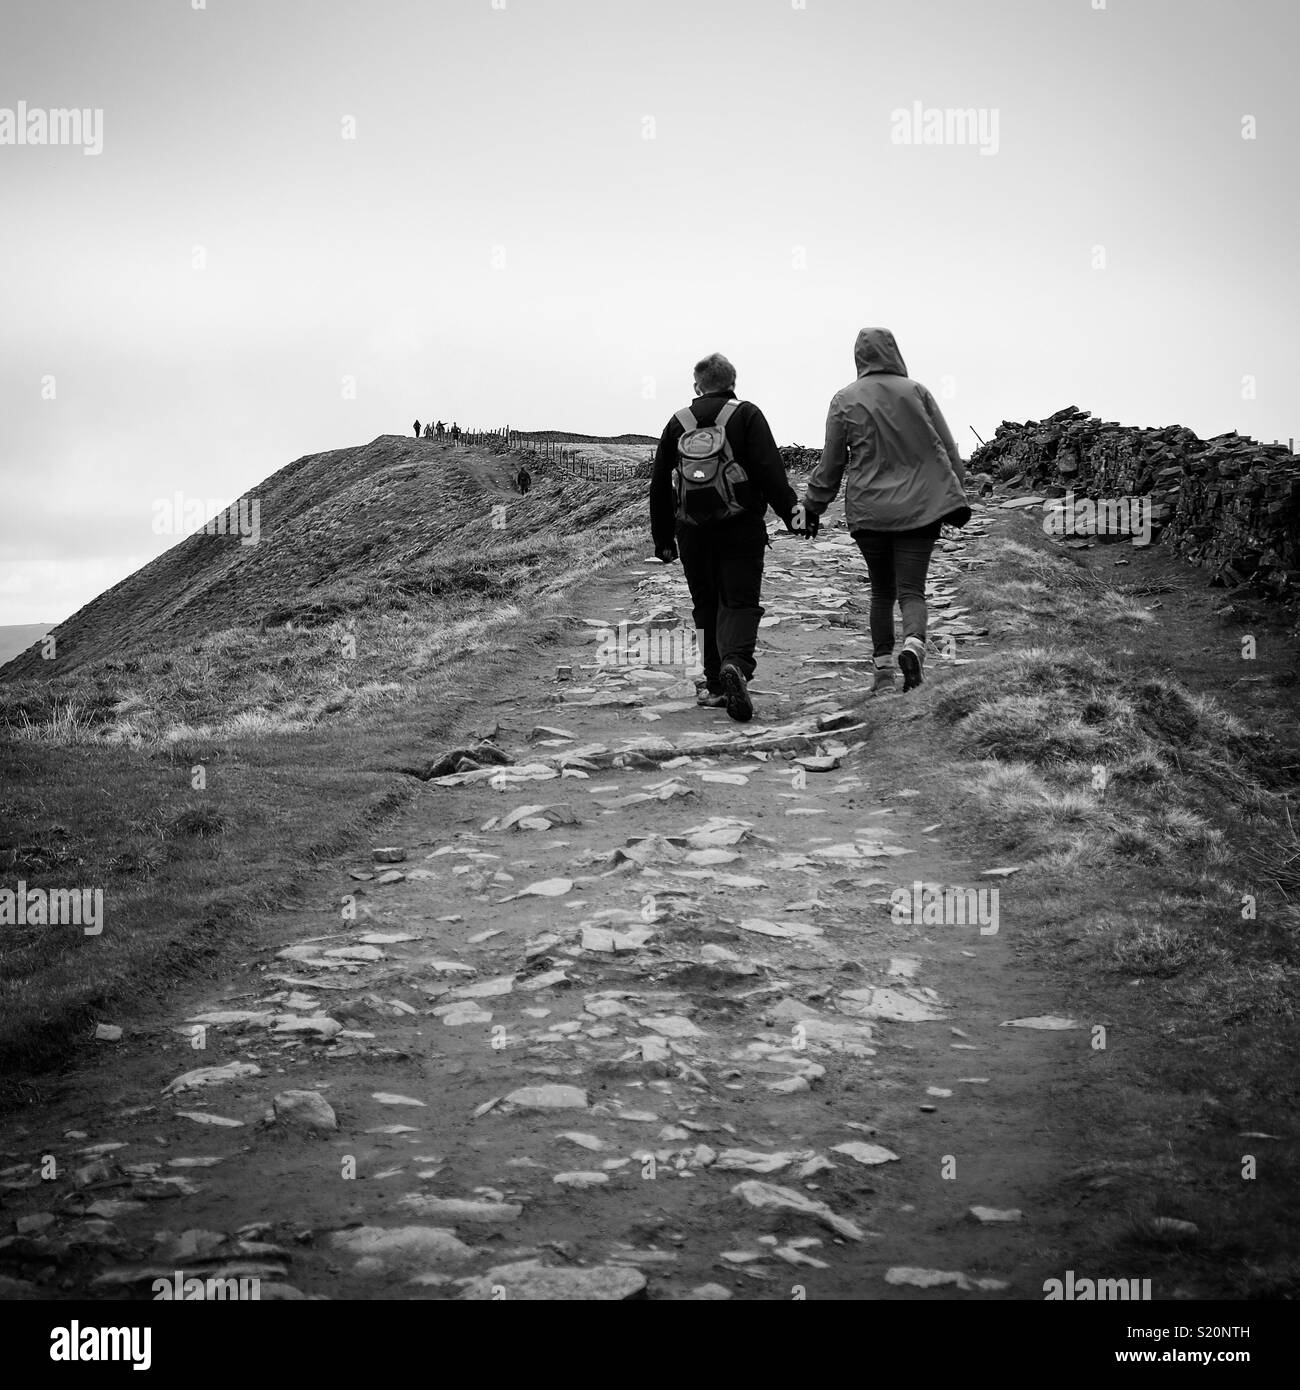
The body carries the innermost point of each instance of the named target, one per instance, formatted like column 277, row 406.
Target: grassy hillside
column 298, row 675
column 340, row 532
column 404, row 553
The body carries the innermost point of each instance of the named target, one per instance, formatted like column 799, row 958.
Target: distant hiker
column 455, row 433
column 523, row 479
column 903, row 478
column 417, row 429
column 440, row 429
column 716, row 471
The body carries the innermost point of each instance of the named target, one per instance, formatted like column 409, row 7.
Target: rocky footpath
column 1228, row 503
column 623, row 1006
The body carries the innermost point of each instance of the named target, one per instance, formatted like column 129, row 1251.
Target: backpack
column 707, row 475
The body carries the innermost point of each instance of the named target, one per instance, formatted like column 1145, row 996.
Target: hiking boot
column 707, row 697
column 883, row 671
column 739, row 706
column 911, row 662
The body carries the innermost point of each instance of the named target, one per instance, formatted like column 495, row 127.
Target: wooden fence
column 552, row 455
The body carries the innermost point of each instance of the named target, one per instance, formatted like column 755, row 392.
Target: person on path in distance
column 524, row 479
column 455, row 432
column 716, row 471
column 417, row 429
column 903, row 479
column 440, row 429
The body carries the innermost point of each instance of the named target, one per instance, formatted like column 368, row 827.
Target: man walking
column 417, row 429
column 716, row 472
column 903, row 479
column 523, row 480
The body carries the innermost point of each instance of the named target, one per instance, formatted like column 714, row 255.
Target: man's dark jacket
column 755, row 450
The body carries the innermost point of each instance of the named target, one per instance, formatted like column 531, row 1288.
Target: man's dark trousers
column 723, row 562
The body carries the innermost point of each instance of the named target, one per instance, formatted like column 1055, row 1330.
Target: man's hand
column 667, row 553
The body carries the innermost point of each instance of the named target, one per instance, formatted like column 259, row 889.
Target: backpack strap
column 686, row 418
column 727, row 411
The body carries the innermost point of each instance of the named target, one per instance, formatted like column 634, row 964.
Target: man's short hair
column 715, row 373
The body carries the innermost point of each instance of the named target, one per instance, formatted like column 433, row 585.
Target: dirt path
column 635, row 1075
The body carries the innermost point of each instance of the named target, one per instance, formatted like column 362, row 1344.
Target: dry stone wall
column 1229, row 502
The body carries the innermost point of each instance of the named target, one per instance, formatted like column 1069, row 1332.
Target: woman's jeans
column 897, row 562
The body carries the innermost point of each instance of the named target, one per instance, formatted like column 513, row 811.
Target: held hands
column 803, row 522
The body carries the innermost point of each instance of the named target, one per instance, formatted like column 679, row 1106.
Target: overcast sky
column 542, row 212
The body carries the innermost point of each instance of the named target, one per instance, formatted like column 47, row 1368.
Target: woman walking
column 904, row 480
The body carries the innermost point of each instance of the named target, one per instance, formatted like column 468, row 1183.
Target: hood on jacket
column 876, row 351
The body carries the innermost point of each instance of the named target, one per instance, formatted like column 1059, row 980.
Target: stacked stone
column 1227, row 502
column 798, row 457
